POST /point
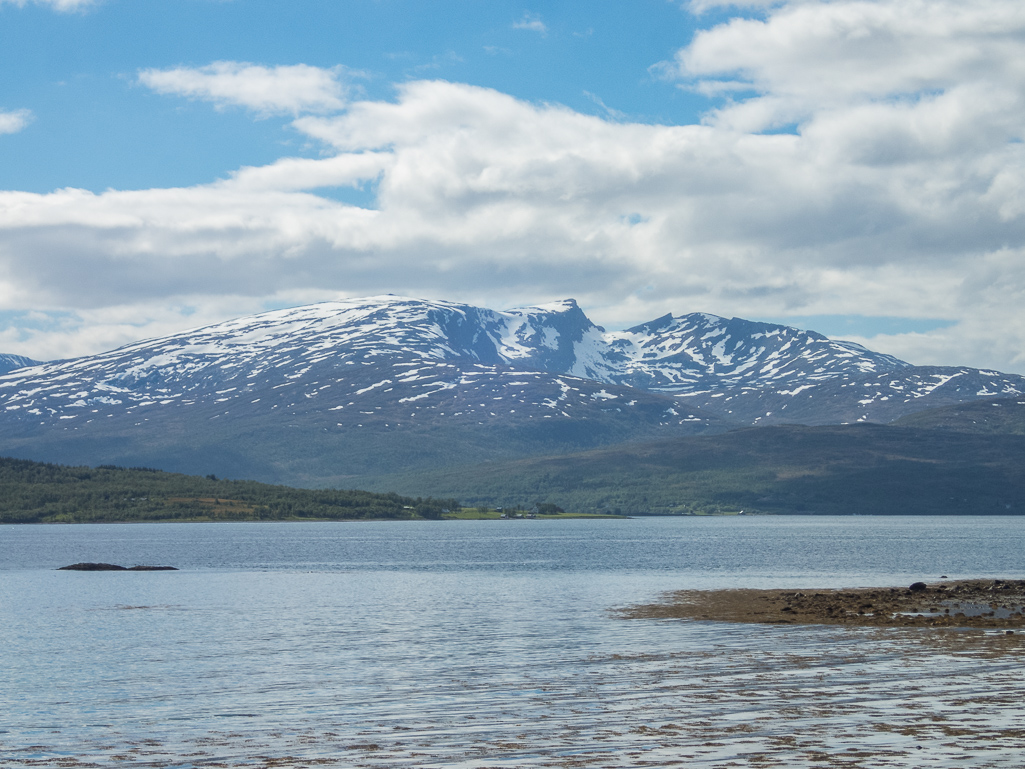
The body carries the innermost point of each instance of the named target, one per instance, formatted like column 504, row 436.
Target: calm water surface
column 491, row 643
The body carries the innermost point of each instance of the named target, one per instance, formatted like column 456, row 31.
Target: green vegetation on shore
column 488, row 514
column 33, row 492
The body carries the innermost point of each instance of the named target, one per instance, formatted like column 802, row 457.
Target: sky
column 856, row 167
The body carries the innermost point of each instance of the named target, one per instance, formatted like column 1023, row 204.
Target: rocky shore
column 991, row 603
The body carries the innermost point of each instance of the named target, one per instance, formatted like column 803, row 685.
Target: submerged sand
column 992, row 603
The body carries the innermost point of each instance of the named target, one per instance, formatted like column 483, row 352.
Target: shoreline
column 972, row 603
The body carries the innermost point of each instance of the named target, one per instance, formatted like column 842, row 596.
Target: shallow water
column 491, row 643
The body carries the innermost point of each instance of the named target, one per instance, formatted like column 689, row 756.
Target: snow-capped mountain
column 316, row 394
column 421, row 347
column 319, row 393
column 424, row 343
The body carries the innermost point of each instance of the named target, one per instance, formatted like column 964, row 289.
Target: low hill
column 845, row 470
column 33, row 492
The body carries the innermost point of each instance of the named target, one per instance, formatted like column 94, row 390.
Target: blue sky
column 95, row 128
column 852, row 166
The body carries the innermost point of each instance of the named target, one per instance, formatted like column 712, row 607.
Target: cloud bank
column 865, row 158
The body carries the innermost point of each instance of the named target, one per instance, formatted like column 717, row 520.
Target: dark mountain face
column 322, row 394
column 12, row 362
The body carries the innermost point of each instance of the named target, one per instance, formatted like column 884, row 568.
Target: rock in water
column 112, row 567
column 92, row 567
column 153, row 568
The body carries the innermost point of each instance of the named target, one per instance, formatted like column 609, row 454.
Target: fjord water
column 483, row 643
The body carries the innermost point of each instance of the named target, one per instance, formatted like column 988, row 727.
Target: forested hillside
column 32, row 492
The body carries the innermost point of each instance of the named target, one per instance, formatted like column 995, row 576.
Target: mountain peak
column 559, row 305
column 653, row 325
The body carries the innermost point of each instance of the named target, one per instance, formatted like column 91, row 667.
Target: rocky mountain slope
column 851, row 398
column 326, row 393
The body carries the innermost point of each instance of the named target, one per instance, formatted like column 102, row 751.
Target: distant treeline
column 33, row 492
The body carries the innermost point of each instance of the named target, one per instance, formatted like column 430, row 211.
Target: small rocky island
column 978, row 603
column 113, row 567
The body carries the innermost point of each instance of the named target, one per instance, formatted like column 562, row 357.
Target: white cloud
column 700, row 6
column 902, row 193
column 811, row 59
column 58, row 5
column 13, row 122
column 532, row 23
column 291, row 89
